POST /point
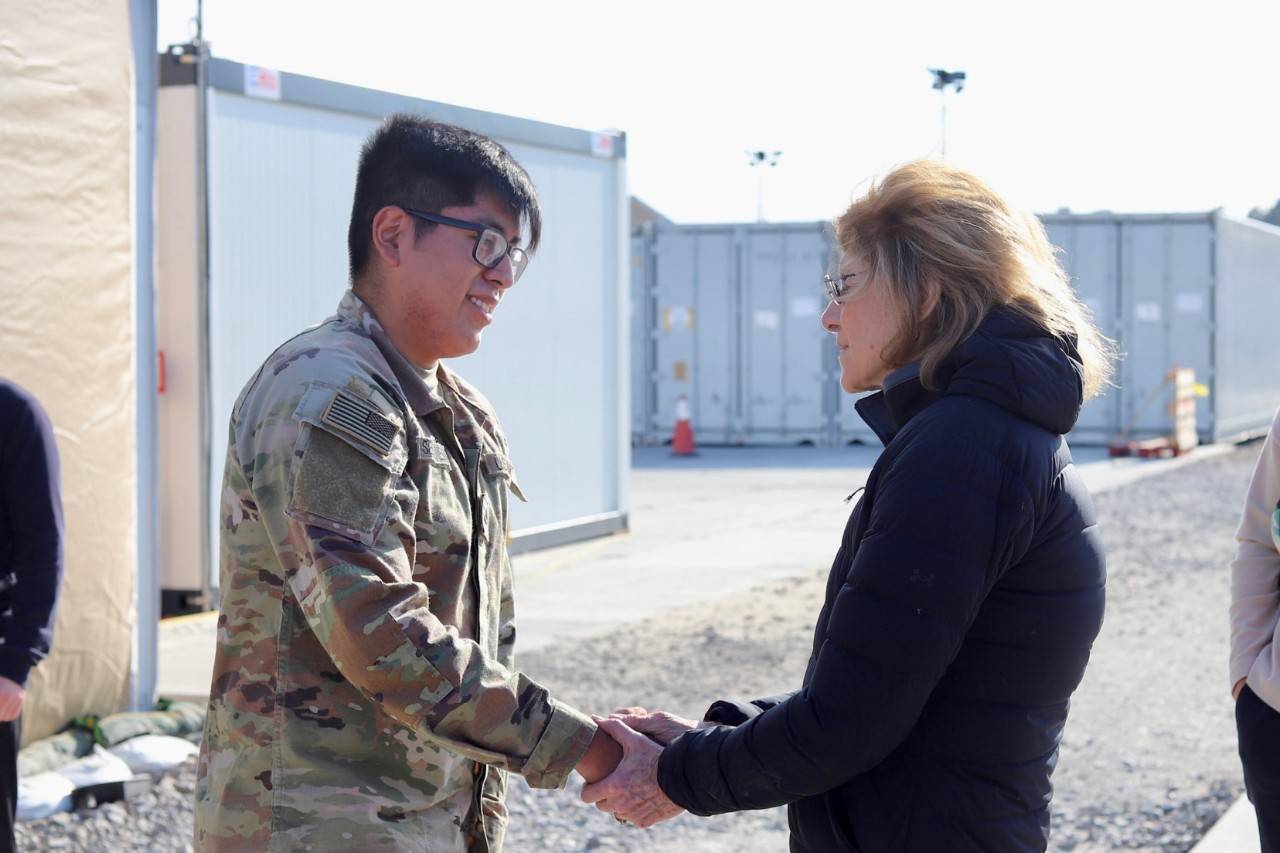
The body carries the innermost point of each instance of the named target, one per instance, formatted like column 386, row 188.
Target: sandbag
column 97, row 767
column 154, row 754
column 181, row 718
column 54, row 751
column 43, row 794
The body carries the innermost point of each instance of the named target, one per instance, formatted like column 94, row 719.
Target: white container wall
column 281, row 172
column 1200, row 291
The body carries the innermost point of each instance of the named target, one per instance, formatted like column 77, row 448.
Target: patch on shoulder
column 361, row 420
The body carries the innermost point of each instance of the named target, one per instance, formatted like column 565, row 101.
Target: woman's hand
column 659, row 725
column 631, row 792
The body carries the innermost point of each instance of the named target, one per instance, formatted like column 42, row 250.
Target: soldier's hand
column 12, row 695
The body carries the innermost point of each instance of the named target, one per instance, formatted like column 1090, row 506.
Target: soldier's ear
column 391, row 227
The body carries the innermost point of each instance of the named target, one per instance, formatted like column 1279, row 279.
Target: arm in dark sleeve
column 930, row 556
column 30, row 492
column 734, row 712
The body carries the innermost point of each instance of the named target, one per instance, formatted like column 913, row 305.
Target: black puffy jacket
column 959, row 615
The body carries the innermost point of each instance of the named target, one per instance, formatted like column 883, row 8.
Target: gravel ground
column 1148, row 760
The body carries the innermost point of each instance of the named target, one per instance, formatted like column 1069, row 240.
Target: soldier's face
column 444, row 297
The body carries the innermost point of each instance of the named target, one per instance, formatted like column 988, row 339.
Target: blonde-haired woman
column 969, row 584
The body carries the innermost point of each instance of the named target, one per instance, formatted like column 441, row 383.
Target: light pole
column 756, row 159
column 941, row 81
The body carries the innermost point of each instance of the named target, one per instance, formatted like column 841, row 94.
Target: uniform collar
column 421, row 387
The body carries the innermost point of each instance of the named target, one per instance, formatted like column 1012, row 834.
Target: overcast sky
column 1120, row 105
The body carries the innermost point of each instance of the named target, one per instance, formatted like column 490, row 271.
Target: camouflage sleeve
column 507, row 599
column 348, row 537
column 507, row 620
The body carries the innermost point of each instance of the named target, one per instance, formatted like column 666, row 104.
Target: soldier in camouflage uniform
column 364, row 692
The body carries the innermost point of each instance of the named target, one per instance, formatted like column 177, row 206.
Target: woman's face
column 864, row 321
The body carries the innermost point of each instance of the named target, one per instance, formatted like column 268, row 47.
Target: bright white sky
column 1125, row 105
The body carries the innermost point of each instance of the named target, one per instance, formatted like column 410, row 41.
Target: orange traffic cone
column 682, row 438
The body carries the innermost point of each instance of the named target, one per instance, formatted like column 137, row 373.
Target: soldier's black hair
column 414, row 161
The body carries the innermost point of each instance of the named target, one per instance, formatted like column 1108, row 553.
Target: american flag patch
column 361, row 419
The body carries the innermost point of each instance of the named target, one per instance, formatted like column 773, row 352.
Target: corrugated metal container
column 1246, row 387
column 696, row 346
column 1178, row 290
column 735, row 329
column 788, row 357
column 281, row 170
column 1197, row 290
column 641, row 326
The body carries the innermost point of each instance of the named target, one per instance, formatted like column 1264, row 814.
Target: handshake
column 630, row 792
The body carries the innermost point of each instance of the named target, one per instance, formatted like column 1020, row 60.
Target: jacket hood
column 1009, row 360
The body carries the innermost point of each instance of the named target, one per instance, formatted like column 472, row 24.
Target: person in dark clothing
column 30, row 569
column 969, row 585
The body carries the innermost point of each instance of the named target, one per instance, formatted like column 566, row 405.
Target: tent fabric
column 66, row 322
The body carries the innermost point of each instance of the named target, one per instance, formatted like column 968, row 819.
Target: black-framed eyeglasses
column 836, row 286
column 490, row 248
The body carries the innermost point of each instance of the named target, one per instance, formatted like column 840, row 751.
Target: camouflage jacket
column 364, row 695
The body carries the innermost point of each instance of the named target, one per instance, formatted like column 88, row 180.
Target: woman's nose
column 831, row 318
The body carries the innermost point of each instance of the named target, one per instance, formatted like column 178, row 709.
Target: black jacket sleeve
column 946, row 521
column 31, row 521
column 735, row 712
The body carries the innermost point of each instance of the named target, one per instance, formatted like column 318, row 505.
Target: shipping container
column 1193, row 290
column 255, row 186
column 1196, row 290
column 642, row 326
column 734, row 328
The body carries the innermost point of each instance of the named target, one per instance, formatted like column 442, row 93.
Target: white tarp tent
column 75, row 325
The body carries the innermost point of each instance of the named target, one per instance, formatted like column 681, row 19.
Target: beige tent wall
column 66, row 320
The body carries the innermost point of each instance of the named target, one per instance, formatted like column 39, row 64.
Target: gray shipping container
column 734, row 315
column 1197, row 290
column 732, row 322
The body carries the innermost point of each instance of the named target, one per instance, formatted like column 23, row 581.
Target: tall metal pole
column 759, row 195
column 142, row 688
column 757, row 159
column 205, row 362
column 942, row 81
column 944, row 125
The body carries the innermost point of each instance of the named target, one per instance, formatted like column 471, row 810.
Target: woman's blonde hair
column 928, row 227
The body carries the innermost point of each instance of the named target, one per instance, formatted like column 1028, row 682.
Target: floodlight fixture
column 942, row 79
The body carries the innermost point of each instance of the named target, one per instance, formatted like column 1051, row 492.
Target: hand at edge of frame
column 631, row 793
column 12, row 696
column 1239, row 685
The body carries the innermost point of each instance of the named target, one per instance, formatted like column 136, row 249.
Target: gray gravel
column 1148, row 760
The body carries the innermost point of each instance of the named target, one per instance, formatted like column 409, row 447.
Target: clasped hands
column 631, row 793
